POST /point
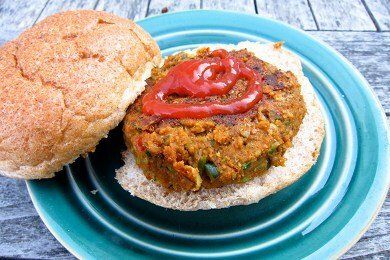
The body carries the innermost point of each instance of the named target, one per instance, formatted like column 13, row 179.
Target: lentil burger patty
column 190, row 154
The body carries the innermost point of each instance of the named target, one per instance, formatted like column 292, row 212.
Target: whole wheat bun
column 299, row 158
column 64, row 83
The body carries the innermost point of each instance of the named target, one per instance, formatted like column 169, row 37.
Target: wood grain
column 376, row 241
column 55, row 6
column 12, row 192
column 380, row 10
column 33, row 239
column 369, row 52
column 22, row 232
column 133, row 9
column 296, row 12
column 341, row 15
column 16, row 16
column 245, row 6
column 156, row 6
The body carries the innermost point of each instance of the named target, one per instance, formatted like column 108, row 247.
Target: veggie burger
column 214, row 127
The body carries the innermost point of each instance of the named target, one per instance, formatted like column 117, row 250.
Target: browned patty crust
column 189, row 154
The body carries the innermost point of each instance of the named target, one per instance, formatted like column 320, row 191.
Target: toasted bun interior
column 299, row 158
column 64, row 83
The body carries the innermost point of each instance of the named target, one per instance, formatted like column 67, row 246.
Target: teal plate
column 319, row 216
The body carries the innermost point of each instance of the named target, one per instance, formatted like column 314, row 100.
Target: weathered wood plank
column 369, row 52
column 380, row 227
column 23, row 209
column 296, row 13
column 246, row 6
column 12, row 192
column 133, row 9
column 156, row 6
column 347, row 15
column 380, row 10
column 16, row 16
column 385, row 255
column 28, row 237
column 376, row 241
column 55, row 6
column 370, row 246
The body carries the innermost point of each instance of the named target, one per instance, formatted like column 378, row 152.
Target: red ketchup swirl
column 201, row 78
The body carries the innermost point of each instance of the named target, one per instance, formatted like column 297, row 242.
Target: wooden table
column 359, row 29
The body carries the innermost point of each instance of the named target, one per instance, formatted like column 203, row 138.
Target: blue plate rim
column 375, row 192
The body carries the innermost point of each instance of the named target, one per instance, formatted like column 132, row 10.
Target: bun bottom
column 299, row 158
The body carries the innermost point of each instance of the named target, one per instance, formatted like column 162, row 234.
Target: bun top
column 64, row 83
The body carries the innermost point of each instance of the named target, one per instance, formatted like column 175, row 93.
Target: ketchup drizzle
column 201, row 78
